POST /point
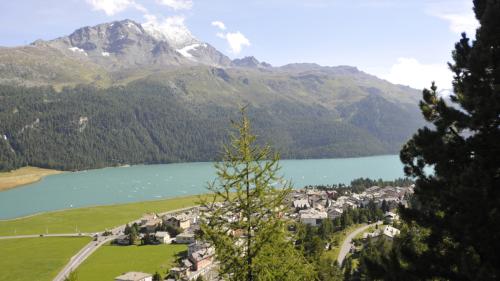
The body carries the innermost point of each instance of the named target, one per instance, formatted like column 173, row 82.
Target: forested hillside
column 119, row 93
column 86, row 127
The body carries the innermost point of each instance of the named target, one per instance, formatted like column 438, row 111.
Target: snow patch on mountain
column 185, row 51
column 78, row 50
column 133, row 26
column 171, row 29
column 105, row 54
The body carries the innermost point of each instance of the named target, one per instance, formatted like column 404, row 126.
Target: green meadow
column 37, row 259
column 110, row 261
column 91, row 219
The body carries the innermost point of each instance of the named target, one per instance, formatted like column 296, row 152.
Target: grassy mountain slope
column 113, row 94
column 44, row 65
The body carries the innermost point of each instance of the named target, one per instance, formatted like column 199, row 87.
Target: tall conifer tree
column 458, row 213
column 249, row 236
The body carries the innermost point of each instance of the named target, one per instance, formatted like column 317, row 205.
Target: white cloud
column 458, row 14
column 236, row 41
column 177, row 4
column 112, row 7
column 410, row 72
column 461, row 22
column 172, row 29
column 219, row 24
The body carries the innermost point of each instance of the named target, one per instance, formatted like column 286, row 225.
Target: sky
column 406, row 42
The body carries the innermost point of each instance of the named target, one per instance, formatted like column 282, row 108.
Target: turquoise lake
column 150, row 182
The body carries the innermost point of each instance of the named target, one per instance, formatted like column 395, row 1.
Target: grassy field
column 36, row 259
column 90, row 219
column 110, row 261
column 23, row 176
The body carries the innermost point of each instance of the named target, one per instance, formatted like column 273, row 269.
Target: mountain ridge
column 113, row 93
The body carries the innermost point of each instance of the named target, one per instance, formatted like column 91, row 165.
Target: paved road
column 82, row 255
column 347, row 244
column 91, row 247
column 47, row 235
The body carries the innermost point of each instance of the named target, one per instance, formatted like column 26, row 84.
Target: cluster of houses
column 312, row 206
column 199, row 262
column 150, row 224
column 200, row 257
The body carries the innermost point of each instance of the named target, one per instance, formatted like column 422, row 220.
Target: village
column 312, row 206
column 309, row 206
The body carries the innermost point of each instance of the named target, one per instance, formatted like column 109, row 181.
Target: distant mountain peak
column 126, row 43
column 306, row 67
column 125, row 49
column 250, row 62
column 172, row 31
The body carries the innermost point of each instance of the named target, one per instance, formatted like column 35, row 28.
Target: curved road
column 347, row 244
column 83, row 254
column 91, row 247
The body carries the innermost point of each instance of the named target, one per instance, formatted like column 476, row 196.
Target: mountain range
column 124, row 92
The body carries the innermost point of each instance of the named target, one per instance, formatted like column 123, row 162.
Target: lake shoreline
column 37, row 174
column 24, row 176
column 105, row 206
column 140, row 183
column 127, row 165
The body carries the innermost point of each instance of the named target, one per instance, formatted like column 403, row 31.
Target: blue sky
column 404, row 41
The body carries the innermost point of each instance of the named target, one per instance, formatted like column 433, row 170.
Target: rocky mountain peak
column 126, row 43
column 112, row 37
column 250, row 62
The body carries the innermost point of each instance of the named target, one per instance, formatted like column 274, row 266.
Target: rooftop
column 133, row 276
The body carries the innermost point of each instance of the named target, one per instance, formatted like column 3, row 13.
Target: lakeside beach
column 24, row 176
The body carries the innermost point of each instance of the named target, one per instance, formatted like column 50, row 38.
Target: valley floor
column 85, row 219
column 110, row 261
column 46, row 256
column 37, row 258
column 23, row 176
column 43, row 257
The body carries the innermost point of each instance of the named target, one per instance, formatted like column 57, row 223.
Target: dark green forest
column 86, row 127
column 450, row 230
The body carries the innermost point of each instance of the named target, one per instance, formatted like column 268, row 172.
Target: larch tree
column 244, row 222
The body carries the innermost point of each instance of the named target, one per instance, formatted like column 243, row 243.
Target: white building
column 312, row 217
column 334, row 213
column 163, row 237
column 390, row 231
column 301, row 204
